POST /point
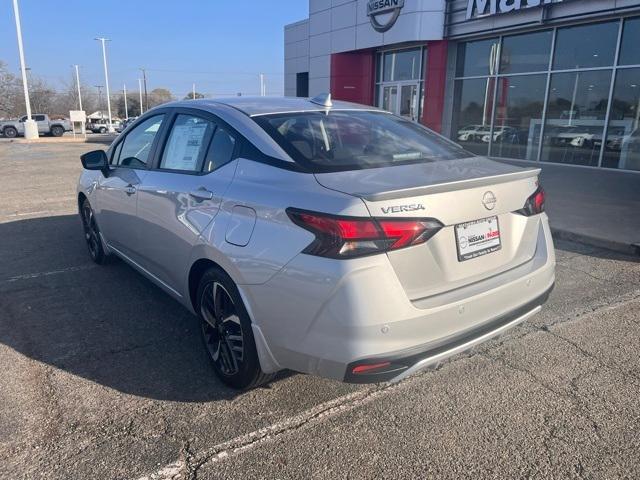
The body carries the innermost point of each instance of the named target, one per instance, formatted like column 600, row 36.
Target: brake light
column 348, row 237
column 534, row 204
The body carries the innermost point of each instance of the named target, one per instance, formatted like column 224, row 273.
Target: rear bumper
column 415, row 359
column 324, row 317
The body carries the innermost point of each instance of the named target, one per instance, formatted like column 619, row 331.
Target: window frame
column 152, row 151
column 309, row 166
column 614, row 68
column 207, row 116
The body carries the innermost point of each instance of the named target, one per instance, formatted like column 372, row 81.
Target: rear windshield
column 352, row 140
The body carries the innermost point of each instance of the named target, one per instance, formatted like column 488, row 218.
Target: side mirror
column 95, row 160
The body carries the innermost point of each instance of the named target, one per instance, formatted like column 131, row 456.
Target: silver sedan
column 323, row 237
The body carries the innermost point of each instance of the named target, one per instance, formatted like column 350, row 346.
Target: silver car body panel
column 313, row 314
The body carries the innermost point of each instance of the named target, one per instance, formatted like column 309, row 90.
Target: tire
column 92, row 234
column 226, row 332
column 10, row 132
column 103, row 130
column 57, row 131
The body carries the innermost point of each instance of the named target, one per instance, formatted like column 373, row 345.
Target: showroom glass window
column 557, row 94
column 622, row 147
column 505, row 79
column 399, row 81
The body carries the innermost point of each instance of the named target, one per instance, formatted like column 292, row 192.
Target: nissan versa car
column 322, row 237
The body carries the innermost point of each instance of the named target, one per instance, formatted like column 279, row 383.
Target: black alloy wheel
column 92, row 234
column 221, row 329
column 227, row 333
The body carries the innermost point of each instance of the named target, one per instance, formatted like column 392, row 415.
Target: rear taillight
column 348, row 237
column 534, row 204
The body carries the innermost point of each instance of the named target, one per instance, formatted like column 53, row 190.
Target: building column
column 353, row 76
column 435, row 80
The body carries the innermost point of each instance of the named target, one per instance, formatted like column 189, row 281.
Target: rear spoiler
column 451, row 186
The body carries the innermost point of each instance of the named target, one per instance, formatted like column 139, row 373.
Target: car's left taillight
column 349, row 237
column 534, row 204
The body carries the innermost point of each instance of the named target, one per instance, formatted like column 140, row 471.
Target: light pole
column 78, row 85
column 106, row 78
column 146, row 97
column 99, row 87
column 140, row 92
column 30, row 126
column 126, row 110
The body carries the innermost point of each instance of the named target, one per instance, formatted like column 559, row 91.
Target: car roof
column 254, row 106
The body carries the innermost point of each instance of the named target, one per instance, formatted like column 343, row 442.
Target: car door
column 117, row 193
column 43, row 124
column 182, row 194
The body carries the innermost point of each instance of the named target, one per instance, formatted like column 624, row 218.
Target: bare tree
column 11, row 100
column 133, row 105
column 158, row 96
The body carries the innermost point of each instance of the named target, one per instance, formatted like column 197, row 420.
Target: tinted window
column 477, row 58
column 629, row 51
column 39, row 118
column 518, row 114
column 350, row 140
column 472, row 107
column 526, row 53
column 586, row 46
column 137, row 144
column 221, row 150
column 302, row 84
column 575, row 117
column 402, row 65
column 187, row 142
column 622, row 148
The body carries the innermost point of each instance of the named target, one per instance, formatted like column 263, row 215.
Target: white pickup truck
column 46, row 126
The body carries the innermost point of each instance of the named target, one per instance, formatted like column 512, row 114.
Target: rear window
column 352, row 140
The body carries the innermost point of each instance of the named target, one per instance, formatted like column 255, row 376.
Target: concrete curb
column 608, row 244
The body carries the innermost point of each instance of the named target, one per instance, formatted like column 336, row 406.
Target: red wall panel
column 435, row 81
column 353, row 76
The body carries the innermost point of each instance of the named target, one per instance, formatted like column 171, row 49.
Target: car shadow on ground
column 591, row 251
column 107, row 324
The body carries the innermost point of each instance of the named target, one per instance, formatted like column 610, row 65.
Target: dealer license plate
column 477, row 238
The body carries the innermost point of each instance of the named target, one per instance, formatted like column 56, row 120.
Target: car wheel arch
column 268, row 362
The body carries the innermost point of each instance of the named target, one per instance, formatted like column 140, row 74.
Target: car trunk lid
column 456, row 193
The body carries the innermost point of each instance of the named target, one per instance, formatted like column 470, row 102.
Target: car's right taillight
column 534, row 204
column 349, row 237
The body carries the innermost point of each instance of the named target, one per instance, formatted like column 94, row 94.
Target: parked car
column 322, row 237
column 473, row 133
column 506, row 135
column 121, row 126
column 102, row 125
column 46, row 126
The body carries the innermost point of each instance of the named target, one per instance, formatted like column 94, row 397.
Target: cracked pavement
column 104, row 376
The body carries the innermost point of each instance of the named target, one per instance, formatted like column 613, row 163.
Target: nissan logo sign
column 388, row 9
column 489, row 200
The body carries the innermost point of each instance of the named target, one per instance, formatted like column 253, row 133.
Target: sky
column 220, row 45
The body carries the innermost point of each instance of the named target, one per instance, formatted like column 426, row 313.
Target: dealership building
column 539, row 80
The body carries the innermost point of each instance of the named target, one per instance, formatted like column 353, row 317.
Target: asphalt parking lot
column 103, row 376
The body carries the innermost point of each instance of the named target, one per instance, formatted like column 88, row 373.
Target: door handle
column 129, row 189
column 201, row 194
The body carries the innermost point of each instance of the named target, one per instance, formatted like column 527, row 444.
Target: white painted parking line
column 28, row 276
column 167, row 473
column 253, row 439
column 24, row 214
